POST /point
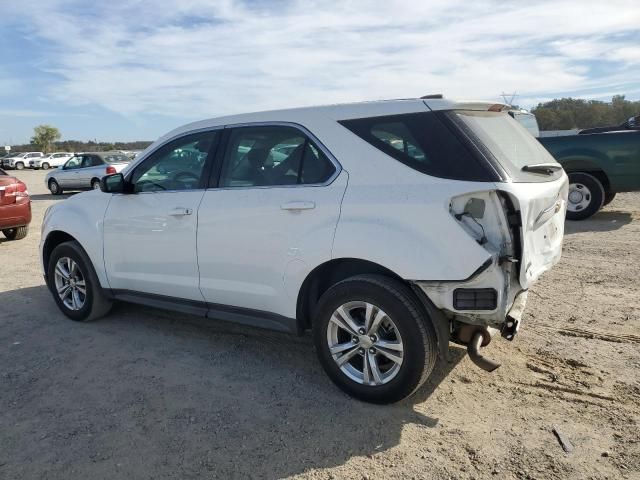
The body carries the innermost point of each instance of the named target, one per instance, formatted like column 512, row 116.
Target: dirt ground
column 145, row 394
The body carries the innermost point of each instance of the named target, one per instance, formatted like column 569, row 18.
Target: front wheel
column 45, row 166
column 54, row 188
column 373, row 340
column 17, row 233
column 74, row 284
column 19, row 166
column 586, row 196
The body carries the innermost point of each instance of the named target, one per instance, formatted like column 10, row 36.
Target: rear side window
column 273, row 156
column 423, row 142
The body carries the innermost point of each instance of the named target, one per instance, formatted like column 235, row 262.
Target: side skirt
column 214, row 311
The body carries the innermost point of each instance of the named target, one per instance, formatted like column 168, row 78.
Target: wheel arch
column 321, row 278
column 584, row 165
column 54, row 239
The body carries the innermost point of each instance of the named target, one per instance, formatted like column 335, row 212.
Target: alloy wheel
column 365, row 343
column 70, row 283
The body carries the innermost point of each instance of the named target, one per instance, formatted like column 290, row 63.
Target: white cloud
column 197, row 58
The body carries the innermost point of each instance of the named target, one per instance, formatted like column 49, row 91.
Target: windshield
column 16, row 155
column 510, row 144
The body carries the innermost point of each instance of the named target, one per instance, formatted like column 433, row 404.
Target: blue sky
column 131, row 70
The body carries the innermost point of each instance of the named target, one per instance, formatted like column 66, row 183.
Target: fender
column 82, row 218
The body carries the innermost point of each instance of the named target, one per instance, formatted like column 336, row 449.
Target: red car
column 15, row 207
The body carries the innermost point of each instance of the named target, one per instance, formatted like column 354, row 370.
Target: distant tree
column 44, row 136
column 569, row 113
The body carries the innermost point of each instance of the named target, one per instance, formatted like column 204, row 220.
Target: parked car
column 54, row 160
column 390, row 229
column 84, row 170
column 19, row 160
column 633, row 123
column 15, row 207
column 599, row 165
column 600, row 162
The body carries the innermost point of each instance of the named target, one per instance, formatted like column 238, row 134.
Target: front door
column 150, row 234
column 70, row 172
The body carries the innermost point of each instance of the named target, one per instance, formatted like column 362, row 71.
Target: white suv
column 54, row 160
column 20, row 160
column 388, row 228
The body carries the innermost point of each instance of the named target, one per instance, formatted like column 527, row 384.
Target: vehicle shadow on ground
column 194, row 395
column 603, row 221
column 48, row 196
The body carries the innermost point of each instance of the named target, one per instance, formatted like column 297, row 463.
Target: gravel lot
column 150, row 394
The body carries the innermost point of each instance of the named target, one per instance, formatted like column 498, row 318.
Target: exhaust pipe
column 473, row 349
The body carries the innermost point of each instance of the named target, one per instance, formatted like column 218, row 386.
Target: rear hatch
column 534, row 182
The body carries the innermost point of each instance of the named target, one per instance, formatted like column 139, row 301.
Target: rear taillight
column 16, row 190
column 111, row 170
column 483, row 216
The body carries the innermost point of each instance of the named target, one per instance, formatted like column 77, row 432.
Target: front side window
column 273, row 156
column 74, row 162
column 178, row 165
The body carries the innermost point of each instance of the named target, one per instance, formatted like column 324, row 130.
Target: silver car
column 83, row 171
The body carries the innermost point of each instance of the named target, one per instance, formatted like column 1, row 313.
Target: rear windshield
column 424, row 142
column 507, row 142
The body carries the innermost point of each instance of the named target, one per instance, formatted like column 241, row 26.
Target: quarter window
column 176, row 166
column 273, row 156
column 422, row 141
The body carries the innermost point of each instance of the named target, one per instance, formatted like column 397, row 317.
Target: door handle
column 298, row 206
column 180, row 211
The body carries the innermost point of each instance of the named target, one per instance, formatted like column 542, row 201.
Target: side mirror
column 114, row 183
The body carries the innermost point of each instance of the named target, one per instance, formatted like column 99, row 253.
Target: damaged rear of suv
column 500, row 214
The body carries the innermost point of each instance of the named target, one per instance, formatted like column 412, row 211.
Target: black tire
column 45, row 166
column 593, row 196
column 54, row 188
column 19, row 166
column 96, row 303
column 608, row 198
column 95, row 184
column 16, row 233
column 415, row 328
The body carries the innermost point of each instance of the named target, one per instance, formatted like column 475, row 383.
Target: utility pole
column 509, row 97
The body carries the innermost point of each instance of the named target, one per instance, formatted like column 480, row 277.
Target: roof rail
column 434, row 96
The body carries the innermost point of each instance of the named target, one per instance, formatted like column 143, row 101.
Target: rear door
column 272, row 215
column 92, row 167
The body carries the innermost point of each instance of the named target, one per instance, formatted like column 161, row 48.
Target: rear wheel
column 95, row 184
column 74, row 284
column 45, row 166
column 373, row 339
column 586, row 196
column 54, row 188
column 17, row 233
